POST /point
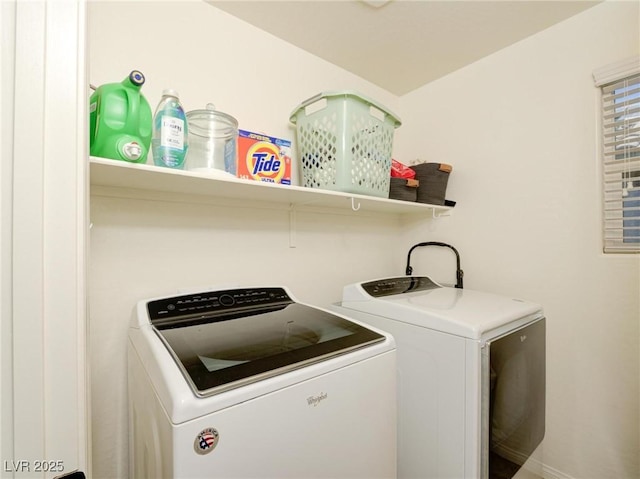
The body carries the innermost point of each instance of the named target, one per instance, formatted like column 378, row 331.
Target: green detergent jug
column 120, row 121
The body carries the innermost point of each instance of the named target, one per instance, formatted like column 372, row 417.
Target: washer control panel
column 215, row 302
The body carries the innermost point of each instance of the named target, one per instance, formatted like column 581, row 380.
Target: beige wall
column 142, row 248
column 520, row 128
column 208, row 56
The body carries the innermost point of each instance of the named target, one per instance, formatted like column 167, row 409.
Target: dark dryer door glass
column 517, row 404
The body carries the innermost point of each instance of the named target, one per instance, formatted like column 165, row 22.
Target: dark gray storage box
column 433, row 178
column 403, row 189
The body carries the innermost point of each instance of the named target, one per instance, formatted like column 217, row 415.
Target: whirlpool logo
column 315, row 400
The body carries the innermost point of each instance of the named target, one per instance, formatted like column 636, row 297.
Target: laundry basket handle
column 345, row 93
column 459, row 272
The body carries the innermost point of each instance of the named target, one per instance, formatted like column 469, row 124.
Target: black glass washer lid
column 234, row 343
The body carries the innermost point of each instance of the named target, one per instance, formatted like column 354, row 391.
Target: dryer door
column 516, row 419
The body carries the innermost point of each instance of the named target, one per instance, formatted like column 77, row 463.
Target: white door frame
column 43, row 234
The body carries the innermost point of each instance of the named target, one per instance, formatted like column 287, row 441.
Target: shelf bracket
column 353, row 204
column 436, row 216
column 292, row 225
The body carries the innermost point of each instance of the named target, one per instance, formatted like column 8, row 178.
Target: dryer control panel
column 403, row 284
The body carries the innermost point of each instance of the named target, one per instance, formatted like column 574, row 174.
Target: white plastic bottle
column 169, row 142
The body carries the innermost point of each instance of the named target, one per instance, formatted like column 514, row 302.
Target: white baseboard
column 549, row 472
column 532, row 468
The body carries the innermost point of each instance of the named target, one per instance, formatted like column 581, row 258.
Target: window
column 620, row 85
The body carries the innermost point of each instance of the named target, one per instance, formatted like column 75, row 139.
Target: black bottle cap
column 136, row 77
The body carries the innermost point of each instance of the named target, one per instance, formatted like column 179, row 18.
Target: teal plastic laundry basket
column 345, row 142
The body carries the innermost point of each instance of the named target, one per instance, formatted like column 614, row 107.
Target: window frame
column 619, row 139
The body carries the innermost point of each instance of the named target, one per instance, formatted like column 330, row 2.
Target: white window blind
column 621, row 160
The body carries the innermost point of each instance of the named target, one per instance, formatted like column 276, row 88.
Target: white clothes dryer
column 471, row 375
column 251, row 383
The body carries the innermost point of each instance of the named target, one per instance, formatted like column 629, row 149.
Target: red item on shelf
column 398, row 170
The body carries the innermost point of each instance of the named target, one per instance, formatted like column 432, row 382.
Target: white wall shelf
column 113, row 173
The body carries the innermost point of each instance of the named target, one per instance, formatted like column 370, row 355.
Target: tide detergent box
column 263, row 158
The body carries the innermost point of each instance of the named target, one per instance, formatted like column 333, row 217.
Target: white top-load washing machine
column 471, row 375
column 251, row 383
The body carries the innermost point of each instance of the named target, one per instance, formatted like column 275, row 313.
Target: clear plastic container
column 213, row 137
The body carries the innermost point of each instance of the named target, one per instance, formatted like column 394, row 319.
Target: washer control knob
column 227, row 300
